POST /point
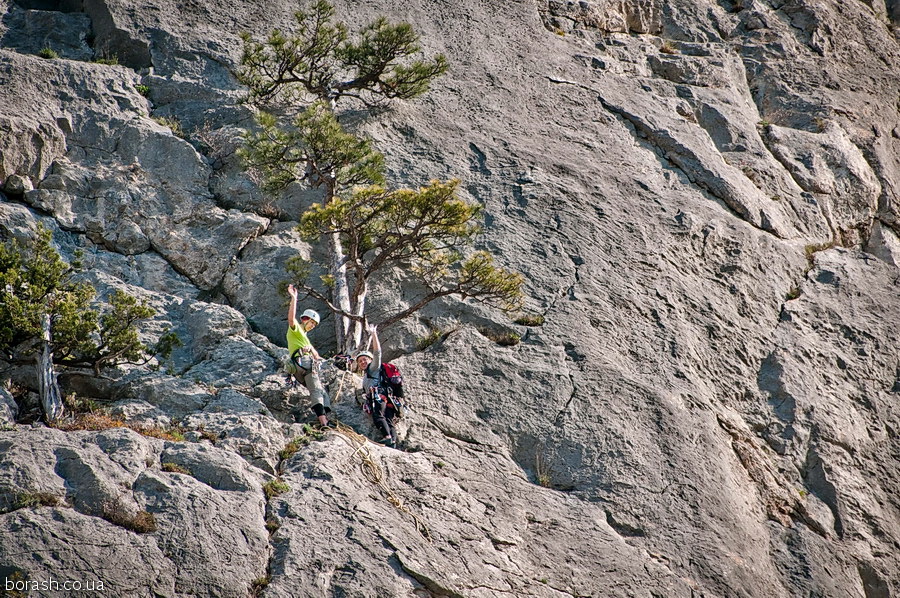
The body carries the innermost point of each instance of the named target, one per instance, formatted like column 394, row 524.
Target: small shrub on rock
column 541, row 471
column 76, row 404
column 93, row 422
column 530, row 320
column 432, row 337
column 272, row 525
column 174, row 468
column 207, row 435
column 291, row 448
column 172, row 433
column 504, row 339
column 668, row 47
column 26, row 500
column 794, row 293
column 258, row 585
column 172, row 123
column 117, row 513
column 48, row 53
column 813, row 248
column 274, row 488
column 97, row 421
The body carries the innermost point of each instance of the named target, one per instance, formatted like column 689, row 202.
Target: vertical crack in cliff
column 576, row 358
column 817, row 479
column 569, row 348
column 781, row 503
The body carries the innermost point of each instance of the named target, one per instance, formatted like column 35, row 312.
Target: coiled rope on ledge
column 372, row 471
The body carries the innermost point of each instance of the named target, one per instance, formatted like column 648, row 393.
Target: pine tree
column 368, row 228
column 40, row 297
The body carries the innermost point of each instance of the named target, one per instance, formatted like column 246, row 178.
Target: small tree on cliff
column 426, row 228
column 420, row 229
column 47, row 316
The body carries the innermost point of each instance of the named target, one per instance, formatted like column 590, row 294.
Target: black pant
column 383, row 415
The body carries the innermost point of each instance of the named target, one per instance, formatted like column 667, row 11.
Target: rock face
column 93, row 487
column 703, row 199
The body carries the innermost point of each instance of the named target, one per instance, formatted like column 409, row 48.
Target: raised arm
column 376, row 348
column 292, row 308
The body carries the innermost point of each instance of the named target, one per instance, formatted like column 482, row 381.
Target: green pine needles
column 321, row 61
column 423, row 229
column 35, row 281
column 369, row 228
column 315, row 150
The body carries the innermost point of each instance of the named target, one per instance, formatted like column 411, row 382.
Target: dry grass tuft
column 174, row 468
column 98, row 421
column 117, row 513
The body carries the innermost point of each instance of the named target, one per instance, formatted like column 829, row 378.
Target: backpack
column 392, row 379
column 390, row 385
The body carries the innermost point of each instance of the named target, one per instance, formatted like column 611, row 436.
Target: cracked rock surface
column 703, row 199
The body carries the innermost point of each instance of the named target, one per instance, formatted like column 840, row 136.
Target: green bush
column 668, row 47
column 530, row 320
column 36, row 282
column 272, row 525
column 813, row 248
column 76, row 404
column 26, row 500
column 207, row 435
column 96, row 421
column 291, row 448
column 502, row 338
column 273, row 488
column 258, row 585
column 542, row 471
column 173, row 124
column 108, row 60
column 436, row 334
column 48, row 53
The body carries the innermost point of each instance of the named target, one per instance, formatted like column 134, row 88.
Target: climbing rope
column 341, row 383
column 372, row 471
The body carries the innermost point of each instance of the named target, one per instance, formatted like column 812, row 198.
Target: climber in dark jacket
column 378, row 400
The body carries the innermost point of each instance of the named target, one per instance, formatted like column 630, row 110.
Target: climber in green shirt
column 304, row 357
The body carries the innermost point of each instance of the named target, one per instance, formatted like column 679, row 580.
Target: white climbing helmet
column 311, row 314
column 365, row 354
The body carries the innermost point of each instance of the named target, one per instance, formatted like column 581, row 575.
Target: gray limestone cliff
column 704, row 198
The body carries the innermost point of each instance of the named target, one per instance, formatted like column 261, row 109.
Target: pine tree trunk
column 356, row 335
column 340, row 291
column 340, row 295
column 51, row 399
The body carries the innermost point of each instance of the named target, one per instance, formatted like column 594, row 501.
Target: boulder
column 122, row 488
column 9, row 410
